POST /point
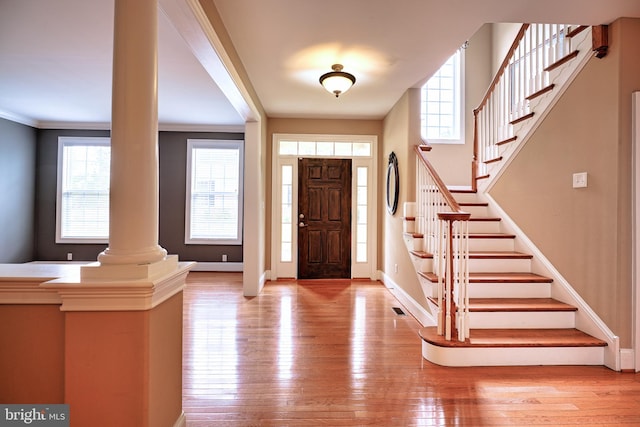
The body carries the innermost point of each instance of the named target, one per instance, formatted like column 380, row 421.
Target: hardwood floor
column 334, row 353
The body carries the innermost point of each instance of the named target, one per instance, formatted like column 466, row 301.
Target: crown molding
column 18, row 119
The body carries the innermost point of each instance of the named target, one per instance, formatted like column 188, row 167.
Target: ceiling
column 55, row 57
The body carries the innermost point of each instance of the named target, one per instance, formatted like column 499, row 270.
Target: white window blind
column 82, row 214
column 214, row 192
column 441, row 106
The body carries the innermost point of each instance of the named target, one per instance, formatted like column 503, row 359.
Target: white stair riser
column 477, row 211
column 522, row 320
column 499, row 265
column 466, row 197
column 418, row 244
column 509, row 290
column 409, row 226
column 413, row 243
column 409, row 209
column 520, row 356
column 424, row 265
column 484, row 226
column 491, row 245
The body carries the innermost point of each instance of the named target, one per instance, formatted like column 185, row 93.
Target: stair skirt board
column 520, row 356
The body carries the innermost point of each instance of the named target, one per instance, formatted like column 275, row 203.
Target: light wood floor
column 334, row 353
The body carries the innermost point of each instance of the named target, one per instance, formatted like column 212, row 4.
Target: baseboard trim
column 627, row 360
column 412, row 306
column 181, row 421
column 218, row 266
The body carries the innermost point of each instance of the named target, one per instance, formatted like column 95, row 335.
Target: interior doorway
column 324, row 218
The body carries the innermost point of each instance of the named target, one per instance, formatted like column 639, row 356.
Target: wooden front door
column 324, row 218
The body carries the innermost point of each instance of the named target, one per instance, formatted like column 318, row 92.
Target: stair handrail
column 523, row 74
column 445, row 230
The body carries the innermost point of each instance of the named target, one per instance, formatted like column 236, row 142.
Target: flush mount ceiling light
column 337, row 81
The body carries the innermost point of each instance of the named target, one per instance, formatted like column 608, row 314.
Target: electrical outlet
column 224, row 258
column 395, row 268
column 580, row 180
column 69, row 256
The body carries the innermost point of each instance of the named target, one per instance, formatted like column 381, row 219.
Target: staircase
column 493, row 296
column 513, row 318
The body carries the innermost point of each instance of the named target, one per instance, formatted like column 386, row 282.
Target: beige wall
column 502, row 37
column 585, row 233
column 453, row 161
column 400, row 139
column 311, row 126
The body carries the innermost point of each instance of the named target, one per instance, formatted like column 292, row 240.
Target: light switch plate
column 580, row 180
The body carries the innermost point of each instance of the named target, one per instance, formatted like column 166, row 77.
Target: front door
column 324, row 218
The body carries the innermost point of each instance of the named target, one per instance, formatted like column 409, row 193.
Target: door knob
column 301, row 216
column 301, row 224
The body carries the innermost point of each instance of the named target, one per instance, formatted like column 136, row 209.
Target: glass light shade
column 337, row 81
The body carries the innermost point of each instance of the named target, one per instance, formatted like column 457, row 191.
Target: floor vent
column 398, row 311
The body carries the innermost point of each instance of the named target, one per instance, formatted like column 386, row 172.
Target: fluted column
column 133, row 222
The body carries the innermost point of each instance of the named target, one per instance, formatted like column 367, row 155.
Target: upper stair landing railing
column 445, row 231
column 522, row 76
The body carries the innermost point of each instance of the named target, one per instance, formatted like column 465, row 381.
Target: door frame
column 289, row 269
column 635, row 328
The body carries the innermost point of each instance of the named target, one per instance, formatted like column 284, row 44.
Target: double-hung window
column 82, row 209
column 441, row 103
column 214, row 192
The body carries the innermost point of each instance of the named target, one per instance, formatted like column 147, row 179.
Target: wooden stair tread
column 461, row 189
column 517, row 304
column 497, row 278
column 516, row 338
column 494, row 160
column 522, row 118
column 506, row 305
column 478, row 204
column 508, row 140
column 498, row 255
column 422, row 254
column 491, row 236
column 485, row 218
column 414, row 235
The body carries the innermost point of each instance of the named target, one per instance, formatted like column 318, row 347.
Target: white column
column 133, row 222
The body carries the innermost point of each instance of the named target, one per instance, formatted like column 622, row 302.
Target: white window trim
column 214, row 143
column 358, row 269
column 62, row 142
column 461, row 108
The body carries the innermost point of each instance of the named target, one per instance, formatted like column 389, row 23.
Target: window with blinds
column 82, row 213
column 214, row 192
column 441, row 103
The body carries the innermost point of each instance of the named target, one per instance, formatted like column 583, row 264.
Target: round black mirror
column 393, row 184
